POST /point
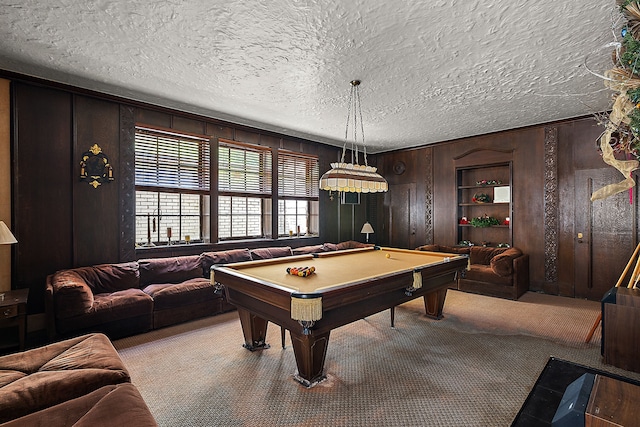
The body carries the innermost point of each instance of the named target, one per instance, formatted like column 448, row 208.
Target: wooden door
column 401, row 200
column 604, row 233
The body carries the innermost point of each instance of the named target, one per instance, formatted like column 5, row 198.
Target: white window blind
column 244, row 168
column 298, row 175
column 171, row 160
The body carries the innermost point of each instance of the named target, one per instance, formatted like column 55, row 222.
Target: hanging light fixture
column 353, row 177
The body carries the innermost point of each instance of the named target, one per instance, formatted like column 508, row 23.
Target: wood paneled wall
column 61, row 222
column 5, row 181
column 544, row 198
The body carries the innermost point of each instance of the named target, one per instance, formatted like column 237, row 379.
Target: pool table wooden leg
column 254, row 329
column 310, row 352
column 434, row 302
column 393, row 316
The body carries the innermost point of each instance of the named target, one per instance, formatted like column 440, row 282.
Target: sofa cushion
column 55, row 373
column 121, row 304
column 502, row 264
column 484, row 273
column 72, row 295
column 110, row 277
column 305, row 250
column 169, row 270
column 329, row 247
column 482, row 255
column 222, row 257
column 447, row 249
column 352, row 244
column 132, row 308
column 267, row 253
column 110, row 405
column 170, row 295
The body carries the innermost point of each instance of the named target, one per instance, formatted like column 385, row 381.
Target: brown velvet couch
column 134, row 297
column 81, row 382
column 499, row 272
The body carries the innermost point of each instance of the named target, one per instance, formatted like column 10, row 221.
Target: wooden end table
column 13, row 312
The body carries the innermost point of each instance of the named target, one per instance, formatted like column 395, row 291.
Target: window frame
column 308, row 193
column 169, row 144
column 263, row 189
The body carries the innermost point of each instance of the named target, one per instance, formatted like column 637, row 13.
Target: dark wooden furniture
column 540, row 406
column 13, row 313
column 621, row 329
column 493, row 181
column 612, row 403
column 346, row 286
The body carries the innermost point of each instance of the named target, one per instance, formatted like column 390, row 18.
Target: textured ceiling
column 431, row 70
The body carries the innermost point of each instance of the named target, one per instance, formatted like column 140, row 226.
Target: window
column 244, row 185
column 172, row 186
column 298, row 178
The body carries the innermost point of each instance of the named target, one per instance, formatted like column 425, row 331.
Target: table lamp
column 366, row 229
column 6, row 238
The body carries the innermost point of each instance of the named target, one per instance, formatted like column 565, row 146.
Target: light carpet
column 475, row 367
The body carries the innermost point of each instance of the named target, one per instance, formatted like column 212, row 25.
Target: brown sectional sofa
column 134, row 297
column 499, row 272
column 81, row 382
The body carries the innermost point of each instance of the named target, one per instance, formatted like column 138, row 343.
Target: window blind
column 298, row 175
column 171, row 160
column 244, row 168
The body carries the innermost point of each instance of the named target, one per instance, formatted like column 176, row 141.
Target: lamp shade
column 367, row 228
column 6, row 238
column 352, row 178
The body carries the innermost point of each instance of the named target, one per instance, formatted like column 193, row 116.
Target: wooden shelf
column 491, row 226
column 466, row 178
column 470, row 187
column 483, row 204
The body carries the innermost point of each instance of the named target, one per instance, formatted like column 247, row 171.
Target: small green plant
column 484, row 221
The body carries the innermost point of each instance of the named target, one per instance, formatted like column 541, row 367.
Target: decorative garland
column 622, row 129
column 481, row 198
column 484, row 182
column 484, row 221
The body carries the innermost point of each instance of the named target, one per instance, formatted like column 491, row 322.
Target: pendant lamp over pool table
column 353, row 177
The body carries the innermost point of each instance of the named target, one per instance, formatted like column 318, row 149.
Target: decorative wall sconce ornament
column 95, row 168
column 353, row 177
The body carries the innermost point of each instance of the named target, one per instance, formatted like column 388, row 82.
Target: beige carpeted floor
column 475, row 367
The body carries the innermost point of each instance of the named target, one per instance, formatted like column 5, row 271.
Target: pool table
column 346, row 286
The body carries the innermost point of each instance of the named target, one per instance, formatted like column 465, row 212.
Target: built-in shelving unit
column 485, row 191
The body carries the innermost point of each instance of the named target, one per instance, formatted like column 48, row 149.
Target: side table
column 13, row 312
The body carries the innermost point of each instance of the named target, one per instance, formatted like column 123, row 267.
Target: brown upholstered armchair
column 499, row 272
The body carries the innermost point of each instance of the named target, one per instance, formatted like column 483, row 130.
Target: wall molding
column 551, row 200
column 126, row 179
column 428, row 197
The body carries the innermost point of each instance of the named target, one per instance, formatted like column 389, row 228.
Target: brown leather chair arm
column 521, row 274
column 49, row 309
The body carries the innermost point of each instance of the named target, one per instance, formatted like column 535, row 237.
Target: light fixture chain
column 354, row 144
column 346, row 131
column 364, row 146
